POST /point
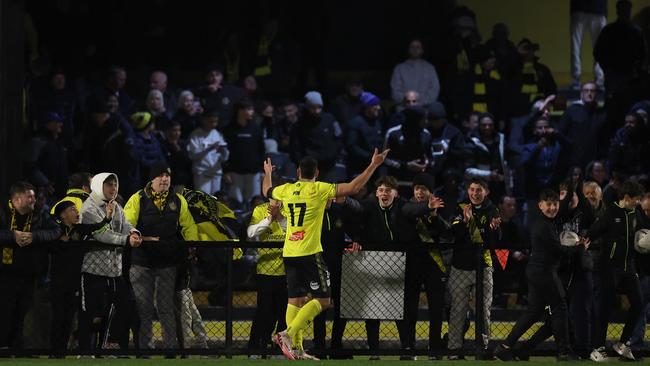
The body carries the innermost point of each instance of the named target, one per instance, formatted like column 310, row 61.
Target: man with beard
column 22, row 231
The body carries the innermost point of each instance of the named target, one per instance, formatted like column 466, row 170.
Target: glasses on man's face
column 589, row 90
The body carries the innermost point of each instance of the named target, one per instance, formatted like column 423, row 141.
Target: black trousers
column 421, row 271
column 102, row 298
column 627, row 281
column 544, row 289
column 271, row 310
column 580, row 295
column 333, row 259
column 16, row 296
column 65, row 303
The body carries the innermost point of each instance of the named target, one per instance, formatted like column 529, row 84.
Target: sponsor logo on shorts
column 298, row 235
column 327, row 274
column 314, row 285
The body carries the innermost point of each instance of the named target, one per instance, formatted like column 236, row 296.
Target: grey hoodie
column 104, row 262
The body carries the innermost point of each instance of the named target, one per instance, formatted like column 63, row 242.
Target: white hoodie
column 104, row 262
column 206, row 161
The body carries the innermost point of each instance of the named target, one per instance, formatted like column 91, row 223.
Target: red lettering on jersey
column 298, row 235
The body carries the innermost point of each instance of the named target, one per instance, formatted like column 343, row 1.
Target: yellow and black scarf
column 159, row 199
column 8, row 253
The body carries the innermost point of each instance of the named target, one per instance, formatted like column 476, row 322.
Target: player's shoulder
column 324, row 185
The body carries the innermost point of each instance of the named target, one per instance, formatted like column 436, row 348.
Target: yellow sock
column 292, row 311
column 306, row 314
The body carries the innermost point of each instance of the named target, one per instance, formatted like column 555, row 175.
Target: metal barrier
column 211, row 307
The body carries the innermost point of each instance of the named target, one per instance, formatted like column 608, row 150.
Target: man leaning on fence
column 389, row 220
column 158, row 213
column 22, row 232
column 101, row 269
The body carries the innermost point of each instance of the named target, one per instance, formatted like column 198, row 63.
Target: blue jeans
column 639, row 329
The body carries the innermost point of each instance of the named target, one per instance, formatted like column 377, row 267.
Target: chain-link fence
column 225, row 298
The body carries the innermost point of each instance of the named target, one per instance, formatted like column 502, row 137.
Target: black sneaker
column 435, row 357
column 503, row 353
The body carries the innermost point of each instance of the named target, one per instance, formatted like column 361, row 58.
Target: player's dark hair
column 308, row 166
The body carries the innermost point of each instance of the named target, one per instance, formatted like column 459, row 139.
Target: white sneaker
column 302, row 355
column 598, row 355
column 283, row 341
column 623, row 350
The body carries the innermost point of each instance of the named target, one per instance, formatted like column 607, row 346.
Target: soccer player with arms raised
column 305, row 202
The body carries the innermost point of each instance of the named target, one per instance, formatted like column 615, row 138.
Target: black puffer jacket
column 31, row 259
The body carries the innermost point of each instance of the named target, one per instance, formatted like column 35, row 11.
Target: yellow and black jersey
column 269, row 260
column 304, row 204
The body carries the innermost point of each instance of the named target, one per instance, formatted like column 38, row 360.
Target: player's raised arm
column 346, row 189
column 267, row 183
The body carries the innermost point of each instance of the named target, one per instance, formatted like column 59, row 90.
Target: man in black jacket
column 246, row 146
column 643, row 269
column 474, row 227
column 583, row 124
column 22, row 231
column 544, row 285
column 617, row 227
column 389, row 220
column 425, row 267
column 317, row 134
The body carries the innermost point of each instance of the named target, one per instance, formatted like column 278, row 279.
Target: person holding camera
column 542, row 162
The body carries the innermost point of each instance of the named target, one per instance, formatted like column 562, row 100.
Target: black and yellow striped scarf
column 7, row 252
column 14, row 224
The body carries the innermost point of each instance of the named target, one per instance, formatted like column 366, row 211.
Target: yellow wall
column 545, row 22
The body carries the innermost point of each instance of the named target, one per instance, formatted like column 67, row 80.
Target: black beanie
column 158, row 168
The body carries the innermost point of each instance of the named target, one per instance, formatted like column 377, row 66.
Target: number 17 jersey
column 303, row 204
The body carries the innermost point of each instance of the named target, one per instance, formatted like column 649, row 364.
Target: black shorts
column 307, row 275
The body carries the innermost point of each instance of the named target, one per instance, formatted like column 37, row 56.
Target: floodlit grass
column 242, row 361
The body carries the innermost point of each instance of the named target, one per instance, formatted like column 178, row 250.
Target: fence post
column 479, row 319
column 229, row 251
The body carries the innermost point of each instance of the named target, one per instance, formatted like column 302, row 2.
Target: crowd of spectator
column 497, row 118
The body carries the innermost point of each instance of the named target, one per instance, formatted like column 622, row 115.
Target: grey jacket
column 104, row 262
